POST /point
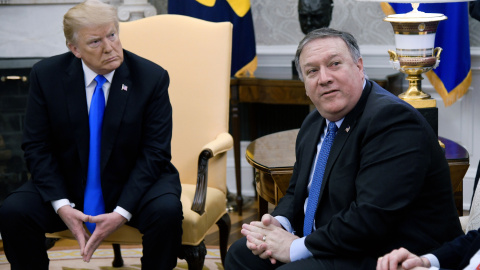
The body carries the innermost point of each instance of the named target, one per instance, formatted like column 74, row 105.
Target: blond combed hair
column 90, row 13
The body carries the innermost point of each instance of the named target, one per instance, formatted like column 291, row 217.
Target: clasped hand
column 276, row 246
column 105, row 225
column 402, row 259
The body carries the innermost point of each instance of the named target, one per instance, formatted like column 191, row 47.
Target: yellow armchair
column 197, row 56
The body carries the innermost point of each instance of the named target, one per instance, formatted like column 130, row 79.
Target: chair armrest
column 221, row 144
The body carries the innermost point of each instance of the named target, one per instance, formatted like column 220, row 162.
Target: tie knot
column 332, row 127
column 100, row 79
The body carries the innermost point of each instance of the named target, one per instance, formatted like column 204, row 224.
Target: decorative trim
column 374, row 56
column 38, row 2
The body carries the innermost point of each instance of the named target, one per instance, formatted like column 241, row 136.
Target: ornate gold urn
column 415, row 53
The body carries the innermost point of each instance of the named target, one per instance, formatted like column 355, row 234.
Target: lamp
column 415, row 53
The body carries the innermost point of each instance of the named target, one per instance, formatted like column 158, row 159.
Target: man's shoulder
column 56, row 61
column 381, row 99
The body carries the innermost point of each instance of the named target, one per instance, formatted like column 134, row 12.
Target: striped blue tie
column 314, row 192
column 93, row 204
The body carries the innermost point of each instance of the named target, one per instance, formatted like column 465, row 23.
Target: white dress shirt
column 298, row 250
column 89, row 89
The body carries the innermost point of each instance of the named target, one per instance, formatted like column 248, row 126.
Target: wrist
column 425, row 262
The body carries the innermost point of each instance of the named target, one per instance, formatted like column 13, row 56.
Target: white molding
column 38, row 2
column 374, row 56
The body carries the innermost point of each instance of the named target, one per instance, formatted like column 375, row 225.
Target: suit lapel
column 120, row 87
column 74, row 87
column 310, row 149
column 348, row 125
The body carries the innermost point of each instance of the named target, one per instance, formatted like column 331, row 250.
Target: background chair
column 472, row 221
column 197, row 55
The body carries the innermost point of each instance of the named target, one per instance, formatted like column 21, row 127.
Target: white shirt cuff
column 285, row 223
column 124, row 213
column 62, row 202
column 434, row 263
column 298, row 250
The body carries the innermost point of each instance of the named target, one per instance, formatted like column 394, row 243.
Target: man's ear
column 360, row 64
column 74, row 50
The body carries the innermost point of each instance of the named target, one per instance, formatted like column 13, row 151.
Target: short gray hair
column 327, row 33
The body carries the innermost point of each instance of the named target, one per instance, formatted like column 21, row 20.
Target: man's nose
column 107, row 47
column 324, row 77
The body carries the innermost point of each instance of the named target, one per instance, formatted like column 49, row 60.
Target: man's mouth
column 328, row 92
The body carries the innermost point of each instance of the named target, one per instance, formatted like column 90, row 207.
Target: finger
column 251, row 246
column 90, row 248
column 245, row 232
column 81, row 244
column 247, row 229
column 259, row 236
column 88, row 255
column 257, row 224
column 411, row 263
column 82, row 239
column 93, row 219
column 254, row 240
column 273, row 261
column 85, row 218
column 264, row 256
column 266, row 219
column 383, row 263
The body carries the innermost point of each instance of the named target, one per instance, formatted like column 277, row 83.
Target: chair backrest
column 473, row 222
column 197, row 56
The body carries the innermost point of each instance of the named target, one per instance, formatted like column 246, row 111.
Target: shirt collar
column 338, row 123
column 90, row 75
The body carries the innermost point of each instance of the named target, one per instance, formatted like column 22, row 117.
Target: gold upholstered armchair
column 197, row 56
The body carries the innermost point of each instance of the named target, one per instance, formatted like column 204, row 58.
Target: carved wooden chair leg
column 194, row 255
column 117, row 256
column 224, row 225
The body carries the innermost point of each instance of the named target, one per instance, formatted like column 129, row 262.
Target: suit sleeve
column 38, row 143
column 393, row 159
column 383, row 168
column 153, row 170
column 453, row 253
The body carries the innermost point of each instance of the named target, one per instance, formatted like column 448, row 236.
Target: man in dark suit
column 474, row 9
column 139, row 184
column 386, row 181
column 460, row 253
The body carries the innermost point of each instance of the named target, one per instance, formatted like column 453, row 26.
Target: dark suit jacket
column 457, row 253
column 136, row 134
column 386, row 184
column 475, row 9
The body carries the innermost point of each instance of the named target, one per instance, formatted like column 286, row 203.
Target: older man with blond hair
column 97, row 144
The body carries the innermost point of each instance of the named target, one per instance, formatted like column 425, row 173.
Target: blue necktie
column 93, row 204
column 314, row 192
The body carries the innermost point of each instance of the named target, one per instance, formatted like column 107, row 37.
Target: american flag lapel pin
column 124, row 87
column 347, row 129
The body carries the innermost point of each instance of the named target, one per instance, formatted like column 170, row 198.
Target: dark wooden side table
column 273, row 157
column 279, row 90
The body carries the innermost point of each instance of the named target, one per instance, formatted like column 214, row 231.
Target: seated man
column 369, row 176
column 97, row 144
